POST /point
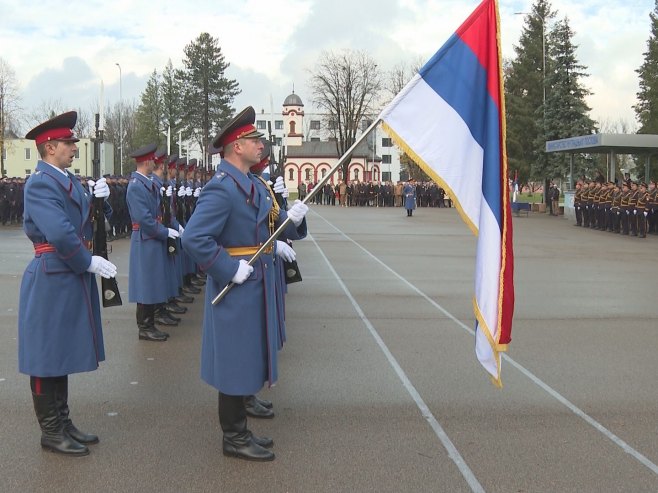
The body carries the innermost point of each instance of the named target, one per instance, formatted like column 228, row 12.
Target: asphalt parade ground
column 379, row 388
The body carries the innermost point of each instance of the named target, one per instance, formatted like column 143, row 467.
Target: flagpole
column 308, row 197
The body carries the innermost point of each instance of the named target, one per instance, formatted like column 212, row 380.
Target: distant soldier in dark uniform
column 577, row 204
column 59, row 321
column 632, row 203
column 615, row 209
column 625, row 208
column 641, row 210
column 652, row 208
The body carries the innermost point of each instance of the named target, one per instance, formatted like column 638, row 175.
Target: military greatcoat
column 240, row 342
column 147, row 281
column 59, row 323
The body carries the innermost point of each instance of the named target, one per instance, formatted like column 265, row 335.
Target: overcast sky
column 60, row 51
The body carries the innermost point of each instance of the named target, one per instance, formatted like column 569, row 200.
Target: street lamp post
column 120, row 120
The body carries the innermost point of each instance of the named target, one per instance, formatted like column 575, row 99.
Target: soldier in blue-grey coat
column 59, row 322
column 234, row 216
column 409, row 193
column 147, row 282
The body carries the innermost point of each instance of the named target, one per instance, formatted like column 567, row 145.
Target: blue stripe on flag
column 455, row 74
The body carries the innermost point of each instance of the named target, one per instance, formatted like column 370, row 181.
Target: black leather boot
column 188, row 287
column 161, row 316
column 145, row 324
column 238, row 441
column 254, row 408
column 183, row 298
column 172, row 307
column 62, row 398
column 53, row 436
column 264, row 403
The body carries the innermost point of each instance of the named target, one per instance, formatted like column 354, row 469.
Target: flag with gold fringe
column 450, row 119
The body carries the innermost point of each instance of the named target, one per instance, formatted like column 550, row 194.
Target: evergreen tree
column 565, row 111
column 149, row 116
column 646, row 109
column 207, row 93
column 172, row 102
column 524, row 93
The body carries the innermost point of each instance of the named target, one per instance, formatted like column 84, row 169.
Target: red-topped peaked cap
column 172, row 161
column 160, row 156
column 258, row 168
column 241, row 126
column 191, row 166
column 57, row 128
column 146, row 153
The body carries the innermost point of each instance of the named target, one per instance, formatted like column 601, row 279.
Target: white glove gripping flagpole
column 308, row 197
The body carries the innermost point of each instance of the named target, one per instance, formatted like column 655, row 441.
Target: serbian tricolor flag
column 450, row 119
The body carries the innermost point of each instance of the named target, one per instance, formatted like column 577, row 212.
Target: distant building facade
column 21, row 156
column 305, row 143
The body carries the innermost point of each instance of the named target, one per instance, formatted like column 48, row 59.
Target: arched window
column 290, row 175
column 356, row 174
column 292, row 127
column 308, row 174
column 324, row 173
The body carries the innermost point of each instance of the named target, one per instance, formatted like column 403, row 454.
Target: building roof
column 603, row 143
column 293, row 100
column 326, row 149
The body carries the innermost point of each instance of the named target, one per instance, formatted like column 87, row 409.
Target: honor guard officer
column 147, row 284
column 234, row 216
column 59, row 322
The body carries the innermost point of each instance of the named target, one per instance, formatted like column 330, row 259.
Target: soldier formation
column 180, row 240
column 374, row 194
column 628, row 209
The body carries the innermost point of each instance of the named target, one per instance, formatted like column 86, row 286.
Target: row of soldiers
column 374, row 194
column 629, row 209
column 11, row 200
column 186, row 179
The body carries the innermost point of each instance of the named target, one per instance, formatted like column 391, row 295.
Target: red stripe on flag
column 478, row 32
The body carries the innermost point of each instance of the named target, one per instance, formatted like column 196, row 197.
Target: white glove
column 279, row 185
column 269, row 182
column 243, row 273
column 285, row 251
column 102, row 267
column 172, row 233
column 181, row 192
column 188, row 191
column 285, row 193
column 297, row 212
column 169, row 191
column 99, row 188
column 634, row 211
column 646, row 213
column 181, row 229
column 197, row 191
column 162, row 191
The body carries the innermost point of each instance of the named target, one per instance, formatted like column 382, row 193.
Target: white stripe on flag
column 436, row 132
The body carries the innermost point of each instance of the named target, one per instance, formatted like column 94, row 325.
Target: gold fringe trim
column 431, row 173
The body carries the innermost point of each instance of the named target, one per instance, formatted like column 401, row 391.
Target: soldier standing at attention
column 409, row 192
column 234, row 216
column 147, row 283
column 59, row 320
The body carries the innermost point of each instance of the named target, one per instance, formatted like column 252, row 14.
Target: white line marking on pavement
column 453, row 453
column 535, row 379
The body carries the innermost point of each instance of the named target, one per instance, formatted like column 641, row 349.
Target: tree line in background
column 544, row 96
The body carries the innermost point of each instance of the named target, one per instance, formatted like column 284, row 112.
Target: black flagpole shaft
column 308, row 197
